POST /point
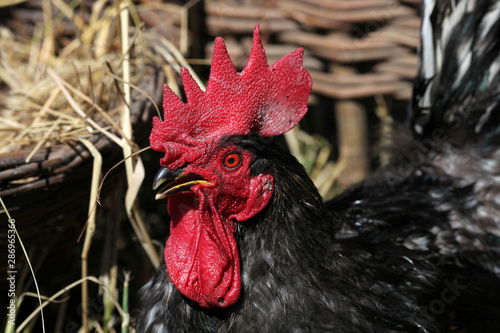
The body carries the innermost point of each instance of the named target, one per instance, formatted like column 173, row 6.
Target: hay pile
column 35, row 111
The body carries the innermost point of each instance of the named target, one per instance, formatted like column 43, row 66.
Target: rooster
column 254, row 248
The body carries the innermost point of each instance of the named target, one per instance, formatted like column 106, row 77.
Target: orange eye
column 232, row 160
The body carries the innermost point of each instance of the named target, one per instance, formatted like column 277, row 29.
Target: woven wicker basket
column 49, row 196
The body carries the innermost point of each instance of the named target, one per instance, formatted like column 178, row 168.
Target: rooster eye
column 232, row 160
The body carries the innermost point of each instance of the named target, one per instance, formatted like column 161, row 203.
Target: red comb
column 262, row 99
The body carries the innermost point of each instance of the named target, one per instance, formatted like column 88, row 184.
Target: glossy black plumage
column 416, row 248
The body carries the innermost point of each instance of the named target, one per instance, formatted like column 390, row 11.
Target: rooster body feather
column 381, row 257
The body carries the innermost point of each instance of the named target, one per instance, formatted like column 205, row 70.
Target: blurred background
column 80, row 82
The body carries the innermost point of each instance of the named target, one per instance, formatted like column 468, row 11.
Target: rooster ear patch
column 261, row 191
column 261, row 99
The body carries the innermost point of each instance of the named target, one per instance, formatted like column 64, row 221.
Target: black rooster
column 253, row 248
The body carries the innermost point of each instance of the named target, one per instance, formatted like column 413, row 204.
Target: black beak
column 175, row 181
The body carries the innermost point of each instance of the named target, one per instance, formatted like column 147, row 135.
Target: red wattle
column 201, row 252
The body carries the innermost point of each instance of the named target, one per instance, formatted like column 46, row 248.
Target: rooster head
column 211, row 181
